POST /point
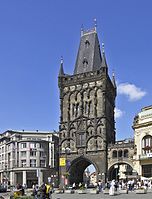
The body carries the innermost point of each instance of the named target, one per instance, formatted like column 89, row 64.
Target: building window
column 42, row 163
column 85, row 62
column 32, row 153
column 23, row 153
column 81, row 139
column 3, row 165
column 9, row 147
column 125, row 153
column 33, row 163
column 23, row 145
column 147, row 144
column 120, row 153
column 32, row 145
column 114, row 154
column 42, row 154
column 147, row 170
column 87, row 43
column 23, row 163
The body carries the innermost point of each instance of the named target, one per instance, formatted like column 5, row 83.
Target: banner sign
column 62, row 162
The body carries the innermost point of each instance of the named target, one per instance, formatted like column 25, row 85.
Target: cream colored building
column 143, row 142
column 28, row 157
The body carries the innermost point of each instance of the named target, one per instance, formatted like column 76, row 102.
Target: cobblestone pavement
column 93, row 196
column 102, row 196
column 5, row 195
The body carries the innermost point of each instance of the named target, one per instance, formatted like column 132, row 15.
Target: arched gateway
column 87, row 101
column 77, row 169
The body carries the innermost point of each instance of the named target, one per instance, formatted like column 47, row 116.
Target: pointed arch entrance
column 77, row 170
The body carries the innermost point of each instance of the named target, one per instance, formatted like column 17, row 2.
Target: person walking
column 112, row 188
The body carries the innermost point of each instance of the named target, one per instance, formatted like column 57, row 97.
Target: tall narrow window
column 23, row 163
column 33, row 163
column 86, row 107
column 126, row 153
column 114, row 154
column 23, row 145
column 77, row 110
column 81, row 138
column 73, row 109
column 147, row 144
column 120, row 153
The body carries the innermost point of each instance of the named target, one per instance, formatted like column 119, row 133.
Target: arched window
column 114, row 154
column 147, row 144
column 126, row 153
column 120, row 153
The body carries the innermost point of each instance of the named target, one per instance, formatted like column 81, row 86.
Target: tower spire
column 89, row 55
column 61, row 71
column 95, row 24
column 113, row 79
column 81, row 30
column 104, row 62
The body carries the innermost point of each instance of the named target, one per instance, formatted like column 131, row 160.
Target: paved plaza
column 93, row 196
column 101, row 196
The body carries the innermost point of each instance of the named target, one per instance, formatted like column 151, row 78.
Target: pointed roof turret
column 61, row 71
column 95, row 24
column 113, row 80
column 104, row 62
column 89, row 55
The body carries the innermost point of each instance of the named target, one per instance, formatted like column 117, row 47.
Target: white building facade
column 28, row 157
column 143, row 142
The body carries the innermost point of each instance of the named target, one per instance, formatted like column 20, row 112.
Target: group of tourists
column 43, row 192
column 130, row 185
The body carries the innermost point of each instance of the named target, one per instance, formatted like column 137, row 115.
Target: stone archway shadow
column 77, row 168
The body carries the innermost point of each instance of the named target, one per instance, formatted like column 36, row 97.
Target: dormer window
column 85, row 62
column 87, row 43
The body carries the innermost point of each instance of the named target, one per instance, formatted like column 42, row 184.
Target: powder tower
column 87, row 102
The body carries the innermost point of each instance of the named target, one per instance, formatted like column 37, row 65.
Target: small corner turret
column 61, row 71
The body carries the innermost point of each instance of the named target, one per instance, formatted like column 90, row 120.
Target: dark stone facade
column 87, row 101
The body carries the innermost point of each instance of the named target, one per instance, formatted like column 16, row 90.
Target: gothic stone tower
column 87, row 101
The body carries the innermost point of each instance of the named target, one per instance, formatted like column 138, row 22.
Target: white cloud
column 118, row 113
column 133, row 92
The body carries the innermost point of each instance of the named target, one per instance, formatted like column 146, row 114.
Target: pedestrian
column 100, row 185
column 43, row 191
column 112, row 188
column 73, row 186
column 49, row 190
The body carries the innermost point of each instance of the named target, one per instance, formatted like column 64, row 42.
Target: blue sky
column 35, row 33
